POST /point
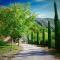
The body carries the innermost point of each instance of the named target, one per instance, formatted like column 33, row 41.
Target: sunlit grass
column 4, row 50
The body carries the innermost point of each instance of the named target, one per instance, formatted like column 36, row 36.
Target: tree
column 32, row 38
column 15, row 21
column 43, row 37
column 7, row 21
column 57, row 33
column 38, row 38
column 49, row 35
column 28, row 39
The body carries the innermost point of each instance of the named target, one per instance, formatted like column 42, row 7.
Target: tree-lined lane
column 32, row 52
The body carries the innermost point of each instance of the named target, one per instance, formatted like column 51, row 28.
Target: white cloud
column 41, row 16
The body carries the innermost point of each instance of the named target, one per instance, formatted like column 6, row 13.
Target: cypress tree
column 57, row 35
column 38, row 38
column 49, row 35
column 28, row 39
column 43, row 37
column 32, row 37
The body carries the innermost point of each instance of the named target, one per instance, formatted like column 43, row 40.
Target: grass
column 5, row 50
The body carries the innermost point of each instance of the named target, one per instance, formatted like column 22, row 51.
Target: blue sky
column 43, row 8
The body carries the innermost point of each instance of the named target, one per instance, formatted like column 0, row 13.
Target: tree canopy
column 16, row 20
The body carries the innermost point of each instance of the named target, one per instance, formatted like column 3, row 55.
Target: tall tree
column 57, row 34
column 38, row 38
column 32, row 38
column 28, row 39
column 43, row 36
column 49, row 35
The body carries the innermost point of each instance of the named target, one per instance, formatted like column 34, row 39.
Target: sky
column 43, row 8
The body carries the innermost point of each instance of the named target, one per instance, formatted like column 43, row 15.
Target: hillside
column 44, row 22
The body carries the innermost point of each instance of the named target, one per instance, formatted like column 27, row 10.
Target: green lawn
column 4, row 50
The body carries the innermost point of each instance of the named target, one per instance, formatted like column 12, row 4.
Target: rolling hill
column 44, row 22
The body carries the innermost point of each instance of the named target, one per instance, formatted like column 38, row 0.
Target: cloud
column 41, row 16
column 44, row 15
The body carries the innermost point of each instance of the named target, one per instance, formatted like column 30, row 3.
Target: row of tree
column 38, row 41
column 17, row 20
column 57, row 32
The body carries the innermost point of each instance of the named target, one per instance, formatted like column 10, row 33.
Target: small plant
column 3, row 43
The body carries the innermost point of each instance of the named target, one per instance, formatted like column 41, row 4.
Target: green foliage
column 32, row 38
column 2, row 43
column 52, row 43
column 49, row 35
column 43, row 37
column 16, row 21
column 57, row 33
column 28, row 39
column 38, row 40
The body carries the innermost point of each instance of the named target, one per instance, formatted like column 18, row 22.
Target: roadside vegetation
column 17, row 21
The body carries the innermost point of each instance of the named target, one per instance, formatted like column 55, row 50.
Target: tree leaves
column 15, row 20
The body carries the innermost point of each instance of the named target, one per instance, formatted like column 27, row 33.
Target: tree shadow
column 33, row 53
column 55, row 53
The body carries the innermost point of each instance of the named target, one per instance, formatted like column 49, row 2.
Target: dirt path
column 31, row 52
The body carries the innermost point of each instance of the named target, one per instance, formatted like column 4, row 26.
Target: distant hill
column 44, row 22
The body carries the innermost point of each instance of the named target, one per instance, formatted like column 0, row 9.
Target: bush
column 3, row 43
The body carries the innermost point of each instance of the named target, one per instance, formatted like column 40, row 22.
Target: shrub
column 3, row 43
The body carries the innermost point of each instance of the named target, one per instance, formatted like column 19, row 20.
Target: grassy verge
column 55, row 53
column 6, row 50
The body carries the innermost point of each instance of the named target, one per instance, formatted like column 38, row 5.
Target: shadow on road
column 32, row 53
